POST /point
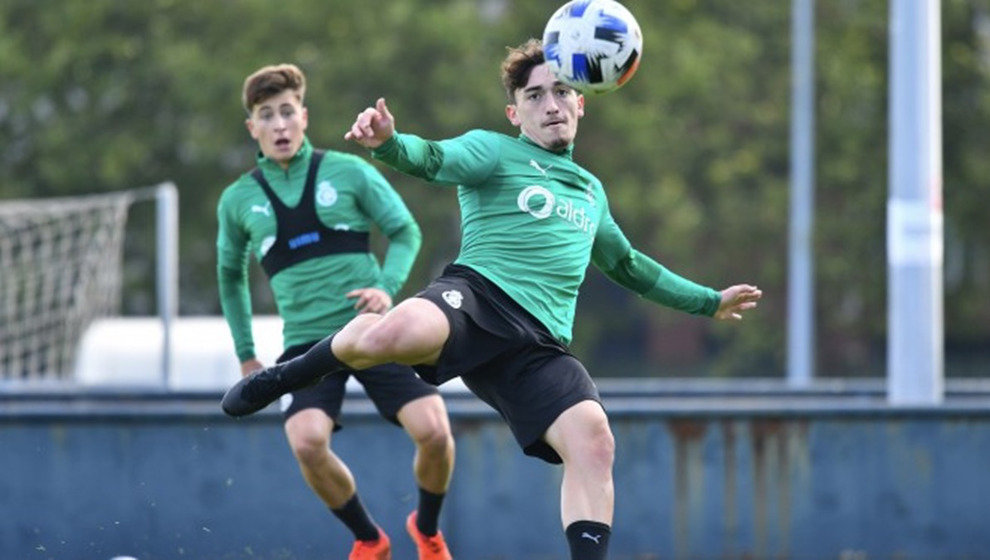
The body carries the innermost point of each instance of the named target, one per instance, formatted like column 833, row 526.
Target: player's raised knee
column 602, row 447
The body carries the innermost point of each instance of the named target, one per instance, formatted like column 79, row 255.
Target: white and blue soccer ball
column 594, row 46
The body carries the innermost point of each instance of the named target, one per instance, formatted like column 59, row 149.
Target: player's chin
column 559, row 142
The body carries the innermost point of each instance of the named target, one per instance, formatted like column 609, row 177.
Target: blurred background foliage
column 106, row 95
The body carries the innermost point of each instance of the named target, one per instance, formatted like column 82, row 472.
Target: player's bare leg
column 426, row 421
column 309, row 432
column 411, row 333
column 582, row 437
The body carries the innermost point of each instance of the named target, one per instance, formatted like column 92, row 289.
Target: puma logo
column 542, row 170
column 266, row 209
column 590, row 537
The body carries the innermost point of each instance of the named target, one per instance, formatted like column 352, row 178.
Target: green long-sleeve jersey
column 310, row 296
column 532, row 220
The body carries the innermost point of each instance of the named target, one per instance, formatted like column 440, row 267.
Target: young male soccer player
column 305, row 215
column 501, row 315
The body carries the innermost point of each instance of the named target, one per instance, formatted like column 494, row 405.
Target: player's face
column 546, row 110
column 279, row 125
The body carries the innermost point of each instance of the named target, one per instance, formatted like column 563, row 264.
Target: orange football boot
column 380, row 549
column 429, row 548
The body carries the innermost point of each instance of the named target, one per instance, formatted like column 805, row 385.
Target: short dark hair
column 269, row 81
column 518, row 65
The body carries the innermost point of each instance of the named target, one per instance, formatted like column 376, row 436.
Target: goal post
column 61, row 268
column 167, row 269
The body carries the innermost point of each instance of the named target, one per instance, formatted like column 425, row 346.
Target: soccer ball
column 594, row 46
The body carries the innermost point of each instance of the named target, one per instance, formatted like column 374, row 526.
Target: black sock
column 356, row 518
column 588, row 540
column 428, row 512
column 312, row 366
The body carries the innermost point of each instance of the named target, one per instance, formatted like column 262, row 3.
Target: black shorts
column 389, row 386
column 506, row 357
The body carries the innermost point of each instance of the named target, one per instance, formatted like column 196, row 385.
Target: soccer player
column 305, row 214
column 501, row 315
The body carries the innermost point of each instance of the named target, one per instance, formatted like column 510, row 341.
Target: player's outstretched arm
column 735, row 300
column 373, row 126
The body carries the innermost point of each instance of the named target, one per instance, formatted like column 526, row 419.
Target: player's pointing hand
column 373, row 126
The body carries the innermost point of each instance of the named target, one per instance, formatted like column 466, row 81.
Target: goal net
column 60, row 268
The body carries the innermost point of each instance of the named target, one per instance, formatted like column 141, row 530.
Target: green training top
column 350, row 195
column 531, row 221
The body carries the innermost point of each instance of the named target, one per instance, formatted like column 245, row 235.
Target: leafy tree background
column 107, row 95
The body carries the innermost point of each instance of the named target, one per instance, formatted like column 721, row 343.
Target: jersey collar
column 567, row 153
column 300, row 159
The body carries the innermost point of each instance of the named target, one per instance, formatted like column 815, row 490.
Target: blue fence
column 725, row 472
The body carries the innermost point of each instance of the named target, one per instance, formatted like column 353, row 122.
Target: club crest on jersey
column 454, row 298
column 326, row 195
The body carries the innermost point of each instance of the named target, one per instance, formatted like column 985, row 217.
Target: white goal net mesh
column 60, row 268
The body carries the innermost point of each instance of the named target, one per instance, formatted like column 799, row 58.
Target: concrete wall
column 706, row 475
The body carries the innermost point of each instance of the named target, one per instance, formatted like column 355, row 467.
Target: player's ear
column 580, row 105
column 305, row 118
column 250, row 126
column 510, row 113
